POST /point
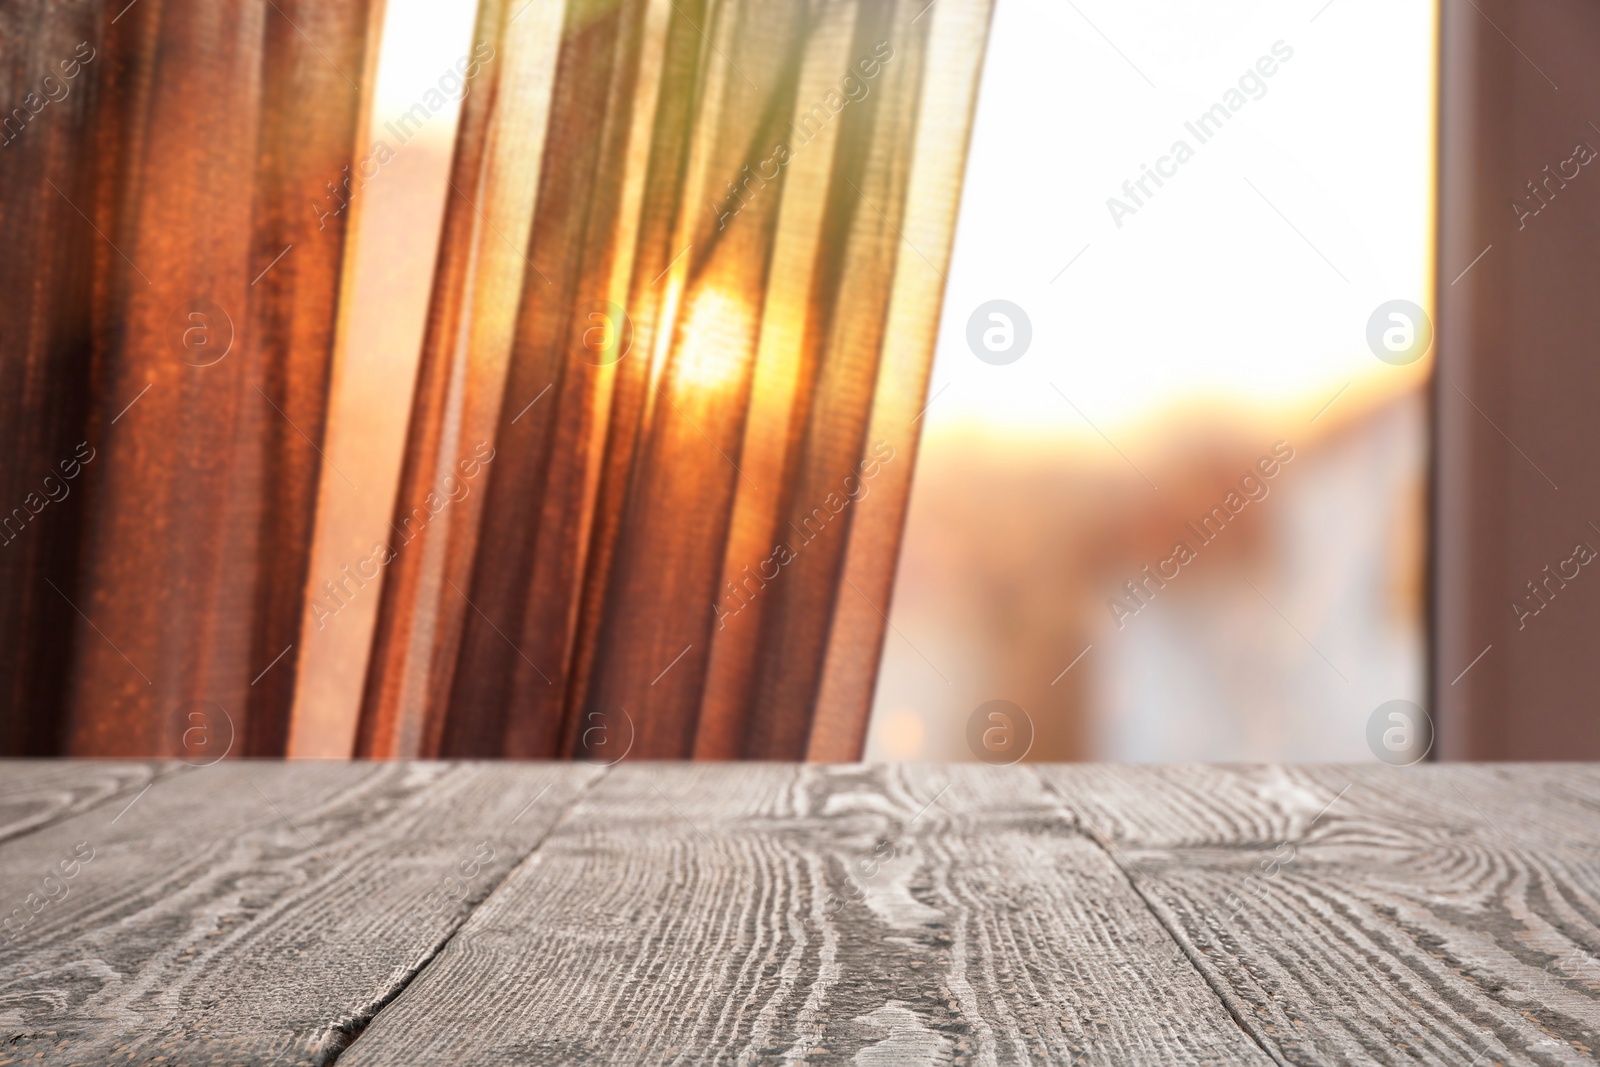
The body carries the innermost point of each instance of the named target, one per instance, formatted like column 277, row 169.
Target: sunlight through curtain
column 666, row 415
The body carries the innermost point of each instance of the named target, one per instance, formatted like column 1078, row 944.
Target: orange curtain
column 45, row 343
column 666, row 415
column 171, row 344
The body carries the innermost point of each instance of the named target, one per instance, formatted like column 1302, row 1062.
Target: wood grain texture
column 37, row 793
column 1430, row 915
column 269, row 914
column 773, row 913
column 252, row 913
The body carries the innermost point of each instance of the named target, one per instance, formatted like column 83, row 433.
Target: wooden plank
column 1430, row 915
column 36, row 793
column 1208, row 804
column 775, row 913
column 253, row 913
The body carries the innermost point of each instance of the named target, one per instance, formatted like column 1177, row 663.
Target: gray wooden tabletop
column 499, row 913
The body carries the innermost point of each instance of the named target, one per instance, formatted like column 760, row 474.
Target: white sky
column 1206, row 291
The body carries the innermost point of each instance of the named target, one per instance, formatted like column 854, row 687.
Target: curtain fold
column 666, row 414
column 195, row 324
column 48, row 53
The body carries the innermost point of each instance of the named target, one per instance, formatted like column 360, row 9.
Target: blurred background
column 1171, row 348
column 394, row 238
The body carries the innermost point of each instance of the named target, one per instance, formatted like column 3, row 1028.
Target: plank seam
column 1213, row 981
column 352, row 1031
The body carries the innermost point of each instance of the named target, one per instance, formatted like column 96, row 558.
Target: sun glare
column 715, row 344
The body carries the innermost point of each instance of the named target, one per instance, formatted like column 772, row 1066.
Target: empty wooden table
column 260, row 913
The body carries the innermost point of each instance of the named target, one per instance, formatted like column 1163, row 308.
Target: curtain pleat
column 209, row 133
column 48, row 54
column 861, row 252
column 473, row 321
column 666, row 418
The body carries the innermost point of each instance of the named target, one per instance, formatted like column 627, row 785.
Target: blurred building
column 1170, row 349
column 1275, row 641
